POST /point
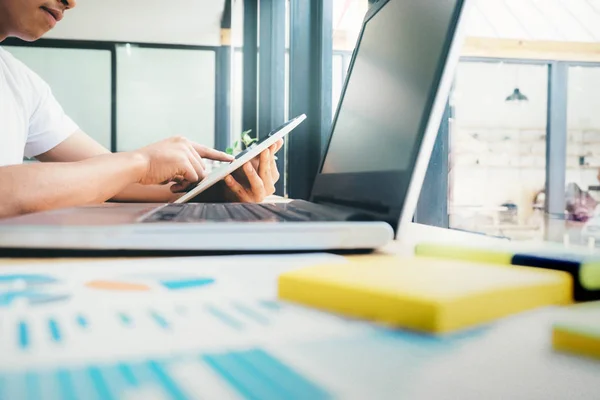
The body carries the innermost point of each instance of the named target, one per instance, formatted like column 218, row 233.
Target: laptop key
column 217, row 212
column 261, row 213
column 284, row 213
column 239, row 213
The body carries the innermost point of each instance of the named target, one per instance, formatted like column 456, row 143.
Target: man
column 75, row 170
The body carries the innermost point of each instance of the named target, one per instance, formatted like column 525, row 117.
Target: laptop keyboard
column 236, row 212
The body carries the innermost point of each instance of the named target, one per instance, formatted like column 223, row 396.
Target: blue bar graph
column 251, row 313
column 244, row 384
column 253, row 374
column 270, row 305
column 257, row 375
column 82, row 321
column 32, row 382
column 65, row 385
column 159, row 319
column 125, row 319
column 23, row 332
column 166, row 381
column 54, row 330
column 273, row 370
column 225, row 318
column 127, row 374
column 186, row 283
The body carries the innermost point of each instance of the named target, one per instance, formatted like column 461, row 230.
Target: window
column 84, row 92
column 157, row 91
column 163, row 93
column 348, row 17
column 498, row 149
column 583, row 140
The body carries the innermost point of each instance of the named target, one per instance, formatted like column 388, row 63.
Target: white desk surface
column 232, row 339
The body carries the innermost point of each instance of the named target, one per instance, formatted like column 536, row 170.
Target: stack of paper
column 579, row 330
column 424, row 294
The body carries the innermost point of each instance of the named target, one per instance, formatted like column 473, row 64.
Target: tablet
column 242, row 158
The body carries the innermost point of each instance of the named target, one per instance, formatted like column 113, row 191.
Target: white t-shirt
column 31, row 120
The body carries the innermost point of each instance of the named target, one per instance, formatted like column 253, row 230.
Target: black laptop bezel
column 364, row 191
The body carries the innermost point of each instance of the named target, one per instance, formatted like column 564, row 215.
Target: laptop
column 370, row 176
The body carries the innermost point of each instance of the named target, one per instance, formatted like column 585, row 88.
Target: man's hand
column 258, row 180
column 251, row 183
column 177, row 160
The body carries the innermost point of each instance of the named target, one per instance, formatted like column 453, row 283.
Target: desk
column 255, row 347
column 414, row 234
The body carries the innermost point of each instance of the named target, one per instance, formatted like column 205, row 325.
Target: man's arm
column 79, row 146
column 37, row 187
column 255, row 182
column 43, row 186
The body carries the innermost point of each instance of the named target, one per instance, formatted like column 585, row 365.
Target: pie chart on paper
column 148, row 283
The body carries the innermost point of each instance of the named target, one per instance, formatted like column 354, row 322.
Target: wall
column 192, row 22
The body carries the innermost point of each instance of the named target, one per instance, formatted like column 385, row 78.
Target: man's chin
column 31, row 36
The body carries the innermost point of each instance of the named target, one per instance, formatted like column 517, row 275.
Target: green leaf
column 247, row 139
column 229, row 151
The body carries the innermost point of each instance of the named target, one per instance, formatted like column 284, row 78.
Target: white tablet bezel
column 222, row 171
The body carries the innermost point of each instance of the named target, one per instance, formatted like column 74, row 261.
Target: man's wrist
column 137, row 164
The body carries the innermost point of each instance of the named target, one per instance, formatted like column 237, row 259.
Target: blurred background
column 520, row 140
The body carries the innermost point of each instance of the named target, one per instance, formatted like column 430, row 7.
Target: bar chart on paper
column 235, row 348
column 247, row 374
column 123, row 362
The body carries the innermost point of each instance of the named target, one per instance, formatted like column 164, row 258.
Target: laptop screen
column 388, row 97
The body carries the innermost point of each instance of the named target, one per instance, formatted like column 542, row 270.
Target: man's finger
column 274, row 170
column 211, row 154
column 180, row 187
column 257, row 184
column 197, row 164
column 197, row 156
column 264, row 166
column 190, row 174
column 278, row 145
column 265, row 172
column 237, row 189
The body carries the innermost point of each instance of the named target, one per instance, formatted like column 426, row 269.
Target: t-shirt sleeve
column 48, row 124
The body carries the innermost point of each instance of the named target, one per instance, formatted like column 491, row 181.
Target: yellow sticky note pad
column 425, row 294
column 579, row 330
column 498, row 255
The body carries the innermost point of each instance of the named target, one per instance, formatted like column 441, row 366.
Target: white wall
column 192, row 22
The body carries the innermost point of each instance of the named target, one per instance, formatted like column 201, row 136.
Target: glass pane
column 498, row 149
column 163, row 93
column 237, row 70
column 583, row 142
column 237, row 88
column 348, row 17
column 84, row 92
column 337, row 69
